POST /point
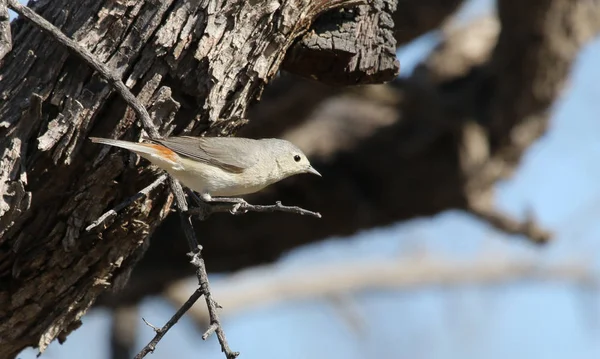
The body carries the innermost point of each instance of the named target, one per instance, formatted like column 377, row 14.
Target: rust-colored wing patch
column 163, row 152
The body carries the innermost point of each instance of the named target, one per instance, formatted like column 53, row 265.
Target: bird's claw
column 236, row 208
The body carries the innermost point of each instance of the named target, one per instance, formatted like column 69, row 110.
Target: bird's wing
column 230, row 154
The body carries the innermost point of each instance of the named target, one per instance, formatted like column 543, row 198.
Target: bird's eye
column 297, row 158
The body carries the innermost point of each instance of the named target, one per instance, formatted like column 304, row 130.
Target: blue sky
column 558, row 180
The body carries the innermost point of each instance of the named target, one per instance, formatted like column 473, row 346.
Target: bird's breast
column 205, row 178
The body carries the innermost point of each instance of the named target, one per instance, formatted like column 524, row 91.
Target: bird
column 221, row 169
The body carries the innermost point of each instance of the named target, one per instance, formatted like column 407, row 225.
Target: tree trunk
column 195, row 65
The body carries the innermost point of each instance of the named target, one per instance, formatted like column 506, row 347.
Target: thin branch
column 241, row 208
column 160, row 332
column 211, row 329
column 211, row 304
column 198, row 262
column 112, row 213
column 155, row 328
column 205, row 210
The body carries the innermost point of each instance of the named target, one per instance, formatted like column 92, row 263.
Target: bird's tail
column 150, row 151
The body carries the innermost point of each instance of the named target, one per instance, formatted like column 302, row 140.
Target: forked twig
column 160, row 332
column 112, row 213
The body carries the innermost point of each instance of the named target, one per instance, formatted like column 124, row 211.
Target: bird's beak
column 313, row 171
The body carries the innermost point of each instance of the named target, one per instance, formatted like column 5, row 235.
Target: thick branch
column 348, row 47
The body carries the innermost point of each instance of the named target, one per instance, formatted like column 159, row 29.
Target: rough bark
column 196, row 65
column 349, row 52
column 438, row 140
column 360, row 50
column 5, row 36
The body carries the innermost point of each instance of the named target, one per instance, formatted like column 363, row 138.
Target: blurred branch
column 415, row 18
column 124, row 331
column 267, row 285
column 350, row 311
column 506, row 224
column 531, row 63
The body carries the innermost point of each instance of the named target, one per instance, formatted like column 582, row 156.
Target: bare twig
column 155, row 328
column 160, row 332
column 203, row 210
column 211, row 329
column 241, row 208
column 215, row 322
column 112, row 213
column 198, row 262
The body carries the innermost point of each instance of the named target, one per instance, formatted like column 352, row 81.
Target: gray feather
column 229, row 153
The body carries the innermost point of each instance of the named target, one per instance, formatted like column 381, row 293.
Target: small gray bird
column 221, row 166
